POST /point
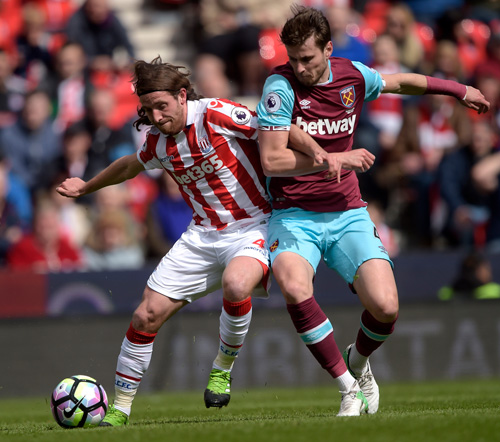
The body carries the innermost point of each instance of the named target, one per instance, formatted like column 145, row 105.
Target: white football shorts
column 193, row 267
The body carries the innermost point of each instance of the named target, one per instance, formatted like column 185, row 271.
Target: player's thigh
column 154, row 310
column 189, row 271
column 376, row 288
column 294, row 274
column 295, row 250
column 353, row 240
column 246, row 258
column 241, row 277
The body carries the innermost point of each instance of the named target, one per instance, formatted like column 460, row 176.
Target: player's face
column 310, row 63
column 166, row 112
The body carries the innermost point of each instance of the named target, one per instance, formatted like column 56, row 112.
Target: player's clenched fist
column 71, row 187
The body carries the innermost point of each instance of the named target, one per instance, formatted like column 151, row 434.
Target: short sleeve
column 373, row 81
column 276, row 105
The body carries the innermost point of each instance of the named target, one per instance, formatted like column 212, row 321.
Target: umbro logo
column 304, row 104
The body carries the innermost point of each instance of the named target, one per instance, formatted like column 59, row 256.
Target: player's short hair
column 306, row 22
column 160, row 76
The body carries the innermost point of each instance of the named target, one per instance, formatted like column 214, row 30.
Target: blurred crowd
column 66, row 107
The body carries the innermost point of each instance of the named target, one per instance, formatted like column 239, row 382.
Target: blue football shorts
column 345, row 240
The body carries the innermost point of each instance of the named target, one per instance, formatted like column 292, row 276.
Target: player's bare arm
column 278, row 160
column 307, row 156
column 117, row 172
column 417, row 84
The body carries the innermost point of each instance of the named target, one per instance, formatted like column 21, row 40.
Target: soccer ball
column 79, row 401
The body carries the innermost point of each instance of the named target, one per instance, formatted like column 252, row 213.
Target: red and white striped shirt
column 215, row 160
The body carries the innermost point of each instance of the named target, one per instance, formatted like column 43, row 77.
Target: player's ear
column 328, row 49
column 182, row 96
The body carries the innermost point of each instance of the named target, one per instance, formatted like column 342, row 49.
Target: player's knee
column 386, row 312
column 237, row 289
column 295, row 291
column 145, row 319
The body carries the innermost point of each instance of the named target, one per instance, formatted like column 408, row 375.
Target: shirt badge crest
column 348, row 95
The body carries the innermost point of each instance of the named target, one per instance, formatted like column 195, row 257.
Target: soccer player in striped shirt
column 209, row 147
column 316, row 217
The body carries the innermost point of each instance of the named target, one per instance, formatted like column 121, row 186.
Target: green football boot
column 218, row 391
column 114, row 418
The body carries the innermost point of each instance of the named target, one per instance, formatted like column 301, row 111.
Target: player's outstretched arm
column 120, row 170
column 417, row 84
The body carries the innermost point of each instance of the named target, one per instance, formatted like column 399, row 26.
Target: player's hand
column 71, row 187
column 474, row 99
column 359, row 160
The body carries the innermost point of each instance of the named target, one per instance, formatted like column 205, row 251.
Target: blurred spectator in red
column 32, row 144
column 113, row 243
column 11, row 23
column 472, row 38
column 69, row 88
column 491, row 65
column 381, row 120
column 34, row 47
column 168, row 217
column 343, row 22
column 46, row 249
column 116, row 79
column 386, row 113
column 74, row 215
column 401, row 26
column 13, row 88
column 57, row 14
column 468, row 183
column 103, row 37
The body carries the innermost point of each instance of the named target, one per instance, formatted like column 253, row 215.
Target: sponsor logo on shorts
column 263, row 252
column 274, row 245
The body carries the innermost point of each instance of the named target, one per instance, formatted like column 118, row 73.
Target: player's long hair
column 160, row 76
column 305, row 23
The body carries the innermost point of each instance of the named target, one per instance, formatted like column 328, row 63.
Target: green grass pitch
column 433, row 411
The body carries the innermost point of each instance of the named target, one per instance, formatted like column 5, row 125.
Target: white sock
column 345, row 382
column 232, row 333
column 357, row 362
column 133, row 362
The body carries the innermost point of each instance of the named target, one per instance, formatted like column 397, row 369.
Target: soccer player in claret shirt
column 209, row 146
column 315, row 216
